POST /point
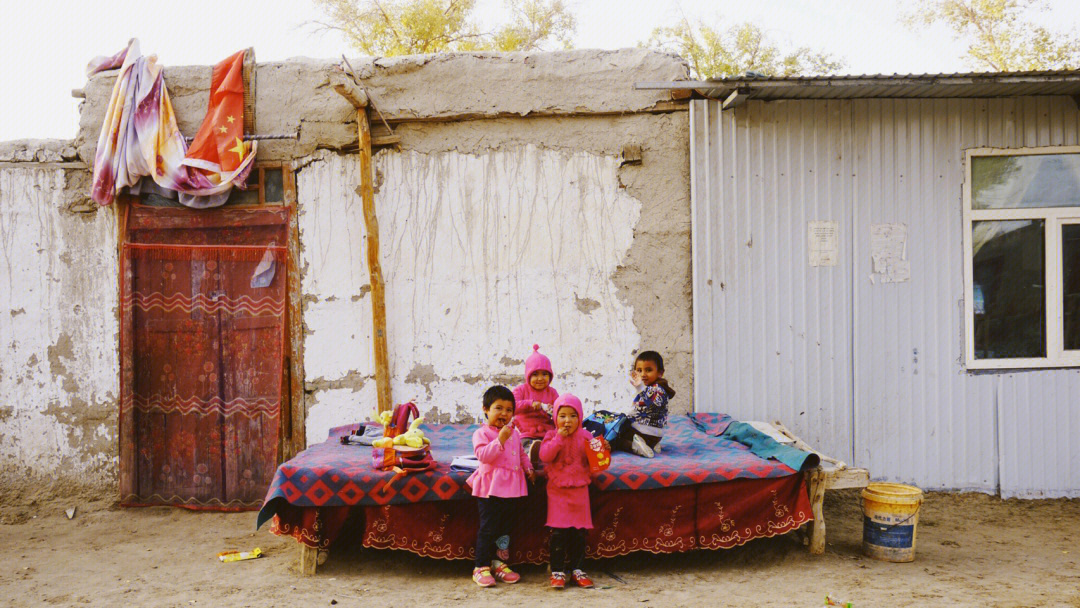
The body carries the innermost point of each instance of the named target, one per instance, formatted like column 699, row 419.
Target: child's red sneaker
column 482, row 577
column 503, row 573
column 558, row 580
column 581, row 579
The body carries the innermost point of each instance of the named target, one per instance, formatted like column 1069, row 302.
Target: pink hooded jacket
column 531, row 423
column 565, row 461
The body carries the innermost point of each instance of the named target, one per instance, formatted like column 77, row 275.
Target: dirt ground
column 972, row 550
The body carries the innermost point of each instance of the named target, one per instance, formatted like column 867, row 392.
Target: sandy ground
column 973, row 550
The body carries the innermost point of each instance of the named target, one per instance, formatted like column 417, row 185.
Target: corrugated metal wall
column 869, row 371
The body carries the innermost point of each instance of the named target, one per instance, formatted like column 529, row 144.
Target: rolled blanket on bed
column 766, row 447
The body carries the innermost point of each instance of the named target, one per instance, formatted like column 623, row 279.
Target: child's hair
column 497, row 393
column 654, row 357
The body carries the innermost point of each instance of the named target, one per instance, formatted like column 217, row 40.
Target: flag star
column 223, row 129
column 230, row 119
column 239, row 148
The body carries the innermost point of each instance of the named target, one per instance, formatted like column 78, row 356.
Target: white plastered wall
column 483, row 255
column 58, row 332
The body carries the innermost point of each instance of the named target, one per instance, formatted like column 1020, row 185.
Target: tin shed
column 889, row 265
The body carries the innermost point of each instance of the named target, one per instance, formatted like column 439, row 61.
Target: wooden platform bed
column 831, row 474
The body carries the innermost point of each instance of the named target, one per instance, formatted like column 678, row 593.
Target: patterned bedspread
column 331, row 474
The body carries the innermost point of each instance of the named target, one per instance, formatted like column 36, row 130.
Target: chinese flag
column 219, row 146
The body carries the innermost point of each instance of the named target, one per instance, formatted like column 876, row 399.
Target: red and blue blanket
column 330, row 474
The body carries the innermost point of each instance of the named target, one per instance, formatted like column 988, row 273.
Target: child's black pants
column 567, row 549
column 495, row 518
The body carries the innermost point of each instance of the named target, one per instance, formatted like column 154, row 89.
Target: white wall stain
column 483, row 255
column 58, row 331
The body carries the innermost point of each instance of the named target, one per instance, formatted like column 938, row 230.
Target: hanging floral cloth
column 139, row 137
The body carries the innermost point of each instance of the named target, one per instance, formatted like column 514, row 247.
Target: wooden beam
column 349, row 90
column 817, row 500
column 128, row 465
column 309, row 559
column 378, row 296
column 297, row 436
column 832, row 475
column 73, row 164
column 736, row 99
column 248, row 75
column 678, row 94
column 848, row 477
column 385, row 140
column 660, row 107
column 802, row 445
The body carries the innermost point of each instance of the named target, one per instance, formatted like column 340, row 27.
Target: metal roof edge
column 958, row 78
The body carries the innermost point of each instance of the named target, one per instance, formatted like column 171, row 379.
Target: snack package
column 236, row 556
column 599, row 454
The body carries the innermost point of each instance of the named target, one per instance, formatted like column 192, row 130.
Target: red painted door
column 202, row 321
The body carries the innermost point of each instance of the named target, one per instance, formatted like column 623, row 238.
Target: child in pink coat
column 533, row 398
column 568, row 515
column 498, row 485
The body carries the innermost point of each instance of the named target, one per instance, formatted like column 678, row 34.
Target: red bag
column 402, row 459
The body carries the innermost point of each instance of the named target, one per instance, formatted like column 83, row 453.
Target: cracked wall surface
column 494, row 235
column 58, row 326
column 483, row 254
column 508, row 216
column 296, row 96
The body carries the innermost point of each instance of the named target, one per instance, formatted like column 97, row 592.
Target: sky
column 45, row 45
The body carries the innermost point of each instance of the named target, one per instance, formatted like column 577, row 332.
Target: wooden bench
column 831, row 474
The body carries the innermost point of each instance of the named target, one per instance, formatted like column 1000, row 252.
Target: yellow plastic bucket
column 890, row 515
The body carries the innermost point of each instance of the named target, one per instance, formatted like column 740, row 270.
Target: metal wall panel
column 772, row 337
column 867, row 370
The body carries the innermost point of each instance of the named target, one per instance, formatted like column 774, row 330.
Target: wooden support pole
column 309, row 559
column 294, row 332
column 378, row 295
column 359, row 99
column 817, row 500
column 248, row 75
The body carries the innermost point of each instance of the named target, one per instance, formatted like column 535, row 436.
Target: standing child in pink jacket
column 534, row 397
column 498, row 484
column 568, row 515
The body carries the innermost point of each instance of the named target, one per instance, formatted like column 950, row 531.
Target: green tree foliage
column 409, row 27
column 736, row 50
column 1000, row 35
column 534, row 24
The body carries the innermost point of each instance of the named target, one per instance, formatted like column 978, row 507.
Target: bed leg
column 309, row 559
column 817, row 499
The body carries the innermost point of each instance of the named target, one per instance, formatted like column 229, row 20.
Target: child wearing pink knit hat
column 564, row 452
column 534, row 399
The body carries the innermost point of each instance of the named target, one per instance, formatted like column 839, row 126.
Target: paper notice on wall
column 888, row 252
column 823, row 245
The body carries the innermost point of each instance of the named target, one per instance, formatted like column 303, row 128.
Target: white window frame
column 1054, row 218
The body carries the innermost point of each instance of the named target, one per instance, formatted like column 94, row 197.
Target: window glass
column 1070, row 284
column 1033, row 180
column 1009, row 283
column 244, row 197
column 275, row 187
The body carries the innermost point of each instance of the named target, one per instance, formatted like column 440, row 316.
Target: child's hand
column 564, row 431
column 531, row 474
column 635, row 378
column 504, row 432
column 537, row 405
